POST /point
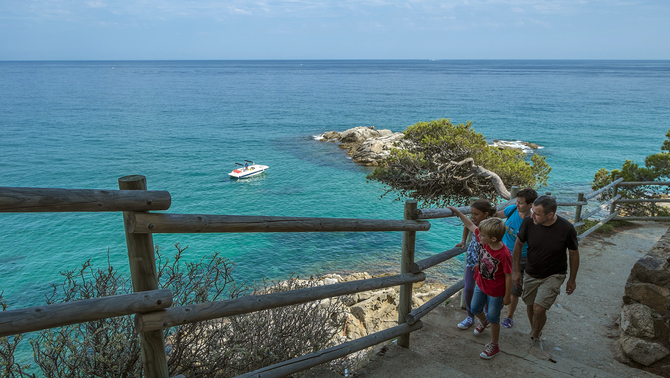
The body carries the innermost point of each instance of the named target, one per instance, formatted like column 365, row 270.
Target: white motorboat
column 248, row 169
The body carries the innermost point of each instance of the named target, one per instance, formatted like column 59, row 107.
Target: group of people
column 522, row 257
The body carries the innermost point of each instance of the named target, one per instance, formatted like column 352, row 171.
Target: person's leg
column 539, row 320
column 508, row 322
column 479, row 299
column 530, row 287
column 547, row 292
column 468, row 291
column 493, row 316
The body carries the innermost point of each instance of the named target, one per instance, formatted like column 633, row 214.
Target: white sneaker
column 466, row 323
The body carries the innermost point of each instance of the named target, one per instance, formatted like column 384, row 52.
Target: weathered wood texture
column 578, row 210
column 643, row 200
column 603, row 189
column 212, row 310
column 643, row 218
column 574, row 203
column 597, row 226
column 35, row 200
column 446, row 213
column 595, row 211
column 295, row 365
column 429, row 306
column 143, row 274
column 37, row 318
column 144, row 223
column 643, row 183
column 406, row 261
column 435, row 259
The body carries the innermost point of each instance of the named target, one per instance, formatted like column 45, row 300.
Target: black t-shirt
column 547, row 246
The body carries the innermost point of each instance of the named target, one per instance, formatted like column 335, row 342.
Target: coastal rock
column 365, row 145
column 638, row 320
column 652, row 268
column 519, row 145
column 371, row 151
column 651, row 295
column 642, row 351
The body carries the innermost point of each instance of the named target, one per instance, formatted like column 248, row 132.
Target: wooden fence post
column 578, row 211
column 143, row 273
column 408, row 246
column 615, row 192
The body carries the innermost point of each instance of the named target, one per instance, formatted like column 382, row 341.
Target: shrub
column 216, row 348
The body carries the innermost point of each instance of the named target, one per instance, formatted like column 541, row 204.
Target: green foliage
column 436, row 163
column 656, row 168
column 606, row 228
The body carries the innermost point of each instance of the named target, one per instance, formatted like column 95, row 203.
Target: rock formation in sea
column 368, row 146
column 365, row 145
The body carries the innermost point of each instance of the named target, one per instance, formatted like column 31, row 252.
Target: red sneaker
column 491, row 351
column 479, row 328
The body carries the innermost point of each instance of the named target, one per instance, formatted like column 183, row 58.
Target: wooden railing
column 153, row 308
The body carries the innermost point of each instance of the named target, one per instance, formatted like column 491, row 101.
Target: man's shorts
column 517, row 292
column 542, row 291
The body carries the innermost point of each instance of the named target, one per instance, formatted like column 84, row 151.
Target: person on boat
column 246, row 166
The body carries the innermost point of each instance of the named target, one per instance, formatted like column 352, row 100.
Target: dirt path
column 580, row 334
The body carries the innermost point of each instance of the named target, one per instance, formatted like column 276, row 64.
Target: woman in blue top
column 515, row 214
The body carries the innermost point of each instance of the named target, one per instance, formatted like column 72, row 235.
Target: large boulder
column 642, row 351
column 638, row 320
column 372, row 151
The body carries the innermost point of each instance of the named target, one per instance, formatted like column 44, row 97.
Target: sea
column 184, row 125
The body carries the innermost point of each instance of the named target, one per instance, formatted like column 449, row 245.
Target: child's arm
column 465, row 236
column 507, row 299
column 466, row 221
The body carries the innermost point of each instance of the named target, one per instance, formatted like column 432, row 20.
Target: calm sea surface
column 184, row 124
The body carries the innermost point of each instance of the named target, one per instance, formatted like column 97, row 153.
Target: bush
column 656, row 168
column 606, row 228
column 216, row 348
column 439, row 163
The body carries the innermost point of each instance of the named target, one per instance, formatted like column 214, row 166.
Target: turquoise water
column 183, row 125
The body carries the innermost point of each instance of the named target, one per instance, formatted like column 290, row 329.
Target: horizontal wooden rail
column 596, row 210
column 145, row 223
column 295, row 365
column 446, row 213
column 643, row 218
column 212, row 310
column 32, row 319
column 644, row 183
column 644, row 200
column 597, row 226
column 605, row 188
column 435, row 259
column 573, row 203
column 429, row 306
column 36, row 200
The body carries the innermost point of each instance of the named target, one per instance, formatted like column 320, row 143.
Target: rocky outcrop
column 365, row 145
column 368, row 146
column 645, row 315
column 376, row 310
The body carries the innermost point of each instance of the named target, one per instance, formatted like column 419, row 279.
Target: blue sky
column 325, row 29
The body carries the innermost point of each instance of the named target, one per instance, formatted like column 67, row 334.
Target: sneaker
column 466, row 323
column 480, row 327
column 507, row 323
column 536, row 342
column 491, row 351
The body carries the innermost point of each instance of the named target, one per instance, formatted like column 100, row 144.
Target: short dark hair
column 529, row 195
column 548, row 204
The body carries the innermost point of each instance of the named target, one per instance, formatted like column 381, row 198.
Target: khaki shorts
column 542, row 291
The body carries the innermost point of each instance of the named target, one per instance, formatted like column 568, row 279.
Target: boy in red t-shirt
column 493, row 276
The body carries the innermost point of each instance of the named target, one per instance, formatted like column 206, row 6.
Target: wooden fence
column 153, row 308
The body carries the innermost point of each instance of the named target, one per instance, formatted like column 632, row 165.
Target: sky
column 333, row 29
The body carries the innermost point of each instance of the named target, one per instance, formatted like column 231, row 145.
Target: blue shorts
column 479, row 299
